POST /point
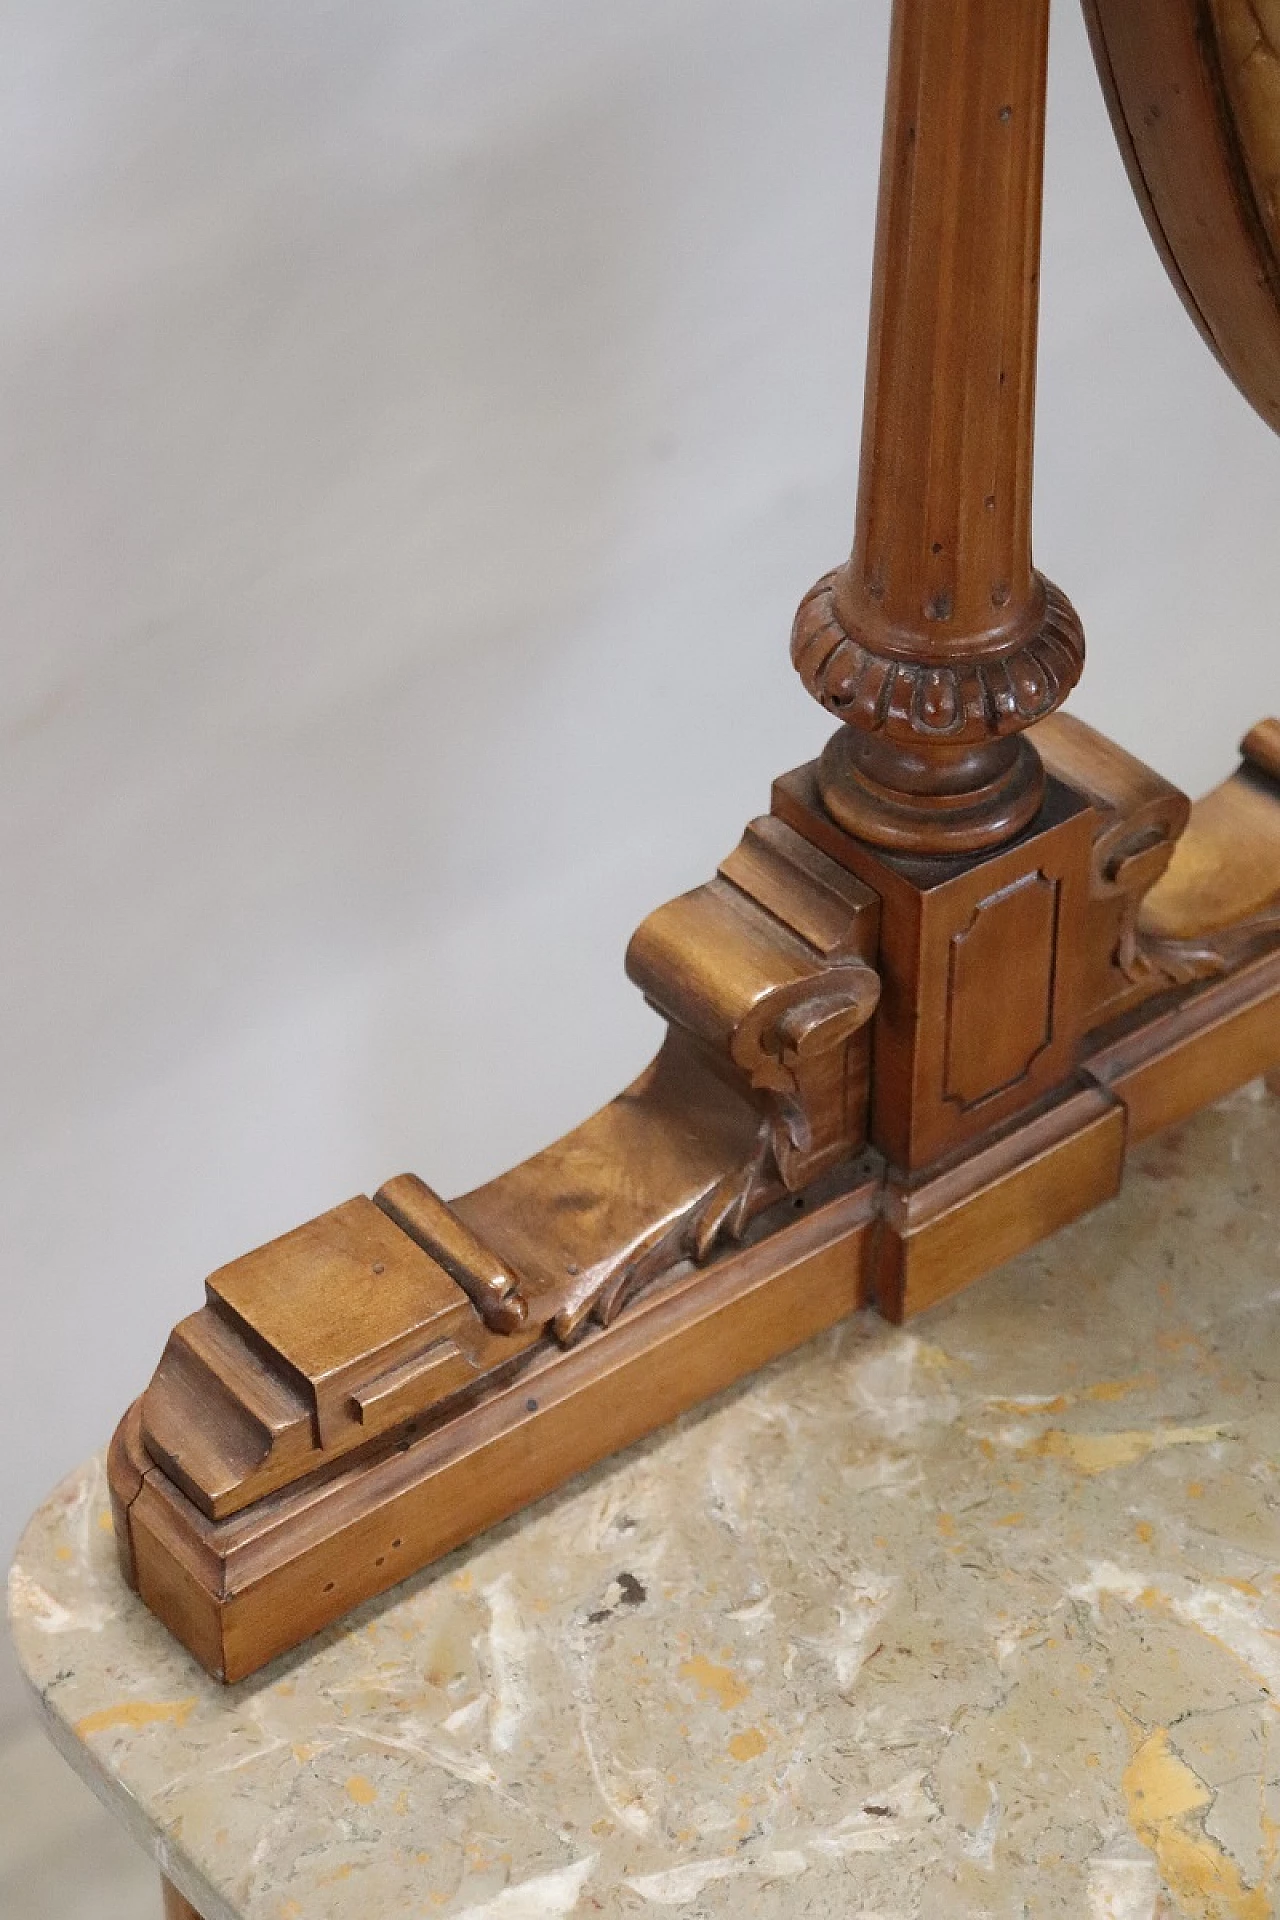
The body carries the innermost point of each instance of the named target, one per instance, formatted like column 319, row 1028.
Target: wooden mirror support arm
column 914, row 1022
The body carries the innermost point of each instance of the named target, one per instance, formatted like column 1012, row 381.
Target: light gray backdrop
column 420, row 419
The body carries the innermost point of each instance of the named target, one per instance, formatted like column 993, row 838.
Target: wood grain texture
column 239, row 1592
column 1248, row 37
column 961, row 1048
column 942, row 1233
column 488, row 1282
column 1210, row 1041
column 938, row 643
column 722, row 1209
column 912, row 1020
column 1194, row 112
column 1140, row 818
column 986, row 1057
column 383, row 1318
column 1224, row 875
column 372, row 1298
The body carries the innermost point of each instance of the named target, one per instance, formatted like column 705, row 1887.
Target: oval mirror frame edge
column 1191, row 153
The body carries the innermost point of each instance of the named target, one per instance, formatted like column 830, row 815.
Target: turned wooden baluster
column 938, row 643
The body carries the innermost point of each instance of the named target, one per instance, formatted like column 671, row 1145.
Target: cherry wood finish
column 1194, row 92
column 945, row 1230
column 938, row 643
column 914, row 1021
column 758, row 1183
column 987, row 942
column 240, row 1591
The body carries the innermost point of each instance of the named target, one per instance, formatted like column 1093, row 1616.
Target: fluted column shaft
column 938, row 642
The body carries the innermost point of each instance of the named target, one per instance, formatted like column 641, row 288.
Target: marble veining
column 981, row 1618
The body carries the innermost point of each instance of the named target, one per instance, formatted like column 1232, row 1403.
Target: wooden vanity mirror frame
column 1194, row 92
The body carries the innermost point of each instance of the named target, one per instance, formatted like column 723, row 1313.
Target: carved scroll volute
column 1219, row 902
column 793, row 1047
column 1130, row 856
column 1141, row 817
column 1179, row 893
column 783, row 1011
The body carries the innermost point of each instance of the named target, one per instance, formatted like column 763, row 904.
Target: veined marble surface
column 979, row 1618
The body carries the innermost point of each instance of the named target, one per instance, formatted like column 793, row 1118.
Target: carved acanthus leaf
column 792, row 1050
column 1128, row 860
column 1180, row 963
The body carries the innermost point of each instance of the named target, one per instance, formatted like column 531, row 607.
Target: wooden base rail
column 915, row 1020
column 369, row 1392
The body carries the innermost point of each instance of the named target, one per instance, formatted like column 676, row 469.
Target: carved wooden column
column 938, row 643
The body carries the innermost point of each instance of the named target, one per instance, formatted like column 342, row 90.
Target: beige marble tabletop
column 977, row 1618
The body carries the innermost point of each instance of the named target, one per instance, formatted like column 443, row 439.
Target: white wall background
column 419, row 421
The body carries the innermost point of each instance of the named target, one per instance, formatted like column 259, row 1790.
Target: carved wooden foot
column 377, row 1387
